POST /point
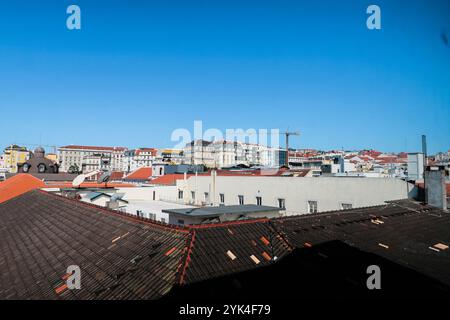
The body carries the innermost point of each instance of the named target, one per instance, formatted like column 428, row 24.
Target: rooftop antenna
column 288, row 133
column 104, row 178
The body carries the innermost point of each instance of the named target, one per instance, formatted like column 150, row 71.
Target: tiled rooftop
column 17, row 185
column 229, row 248
column 401, row 231
column 125, row 257
column 120, row 257
column 144, row 173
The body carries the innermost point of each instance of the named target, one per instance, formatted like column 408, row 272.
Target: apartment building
column 223, row 153
column 13, row 156
column 172, row 156
column 295, row 195
column 199, row 152
column 87, row 156
column 138, row 158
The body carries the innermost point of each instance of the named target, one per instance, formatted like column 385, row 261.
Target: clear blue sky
column 136, row 71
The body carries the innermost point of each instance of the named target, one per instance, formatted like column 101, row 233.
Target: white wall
column 330, row 192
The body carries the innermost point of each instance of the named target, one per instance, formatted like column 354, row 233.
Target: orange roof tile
column 17, row 185
column 143, row 173
column 169, row 179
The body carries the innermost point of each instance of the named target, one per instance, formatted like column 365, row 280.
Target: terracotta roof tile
column 17, row 185
column 168, row 179
column 144, row 173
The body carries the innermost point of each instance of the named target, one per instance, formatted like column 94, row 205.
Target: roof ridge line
column 227, row 223
column 121, row 214
column 283, row 237
column 187, row 260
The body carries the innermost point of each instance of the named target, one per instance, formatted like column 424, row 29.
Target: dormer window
column 41, row 168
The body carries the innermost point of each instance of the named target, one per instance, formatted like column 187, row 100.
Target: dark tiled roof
column 401, row 231
column 228, row 248
column 124, row 257
column 41, row 235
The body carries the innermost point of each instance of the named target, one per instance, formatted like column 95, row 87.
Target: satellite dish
column 117, row 196
column 104, row 177
column 78, row 180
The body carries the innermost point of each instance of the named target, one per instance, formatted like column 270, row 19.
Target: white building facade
column 78, row 155
column 138, row 158
column 296, row 195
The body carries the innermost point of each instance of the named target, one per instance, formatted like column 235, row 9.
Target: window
column 41, row 168
column 258, row 201
column 163, row 220
column 281, row 203
column 346, row 206
column 154, row 195
column 312, row 206
column 180, row 221
column 241, row 199
column 222, row 198
column 26, row 167
column 193, row 195
column 180, row 194
column 206, row 197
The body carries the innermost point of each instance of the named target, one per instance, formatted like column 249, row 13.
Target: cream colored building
column 77, row 155
column 14, row 155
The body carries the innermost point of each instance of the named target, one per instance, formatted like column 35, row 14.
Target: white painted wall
column 330, row 192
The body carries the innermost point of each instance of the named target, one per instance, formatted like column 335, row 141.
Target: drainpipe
column 213, row 193
column 196, row 188
column 424, row 150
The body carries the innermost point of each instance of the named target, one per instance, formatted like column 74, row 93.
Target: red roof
column 116, row 175
column 143, row 173
column 23, row 182
column 169, row 179
column 94, row 148
column 18, row 185
column 387, row 159
column 152, row 151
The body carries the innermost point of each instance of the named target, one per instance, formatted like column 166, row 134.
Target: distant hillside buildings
column 229, row 154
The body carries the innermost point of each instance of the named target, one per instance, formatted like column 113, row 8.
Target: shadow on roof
column 332, row 270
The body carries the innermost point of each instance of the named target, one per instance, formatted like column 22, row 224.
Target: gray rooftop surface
column 221, row 210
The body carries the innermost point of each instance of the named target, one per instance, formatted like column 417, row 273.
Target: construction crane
column 287, row 134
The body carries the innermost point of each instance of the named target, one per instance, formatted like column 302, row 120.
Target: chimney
column 435, row 187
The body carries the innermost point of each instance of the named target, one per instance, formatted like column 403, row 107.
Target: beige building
column 88, row 156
